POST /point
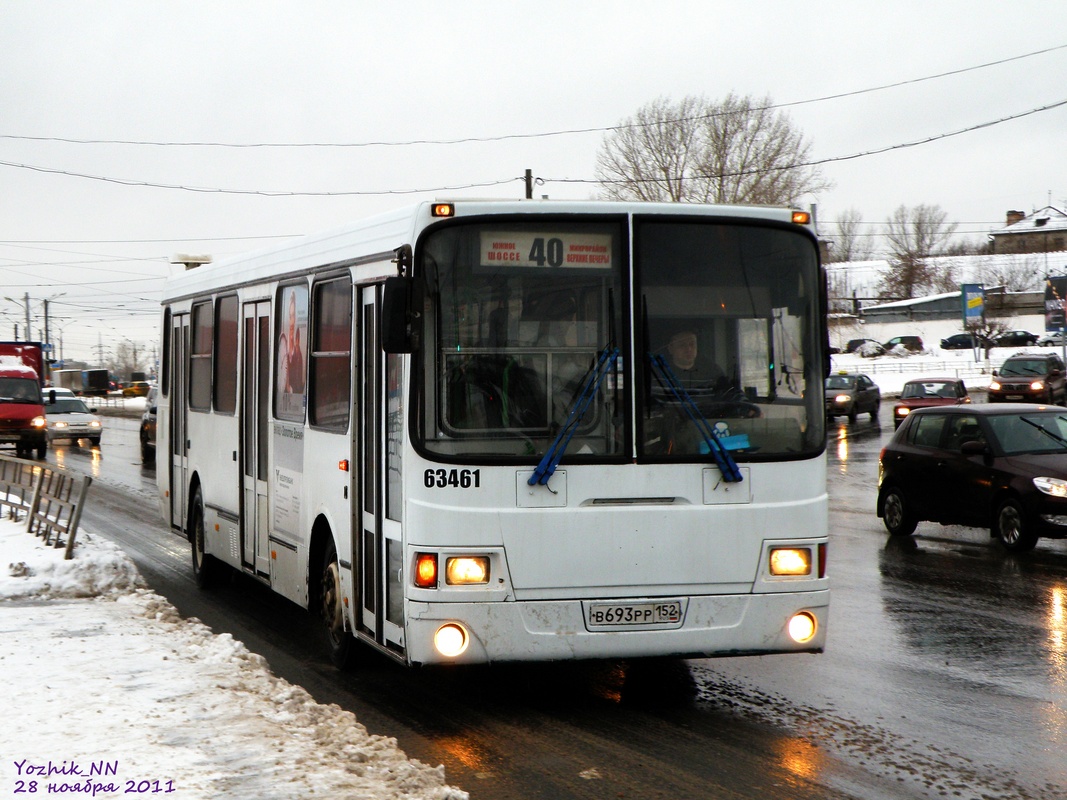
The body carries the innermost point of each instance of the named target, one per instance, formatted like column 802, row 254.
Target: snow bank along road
column 113, row 694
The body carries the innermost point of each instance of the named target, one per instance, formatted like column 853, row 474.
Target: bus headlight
column 802, row 627
column 451, row 640
column 466, row 570
column 790, row 561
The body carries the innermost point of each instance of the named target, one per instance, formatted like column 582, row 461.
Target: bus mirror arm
column 401, row 317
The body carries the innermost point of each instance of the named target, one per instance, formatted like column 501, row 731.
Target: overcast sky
column 353, row 73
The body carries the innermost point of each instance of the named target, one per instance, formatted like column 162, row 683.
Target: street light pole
column 29, row 333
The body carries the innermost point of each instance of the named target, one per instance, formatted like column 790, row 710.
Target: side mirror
column 401, row 315
column 974, row 448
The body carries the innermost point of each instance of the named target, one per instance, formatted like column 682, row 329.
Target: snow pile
column 114, row 692
column 31, row 569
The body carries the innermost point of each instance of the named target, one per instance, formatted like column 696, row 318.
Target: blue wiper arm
column 604, row 364
column 727, row 466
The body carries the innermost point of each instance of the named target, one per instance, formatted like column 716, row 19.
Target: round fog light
column 802, row 627
column 450, row 640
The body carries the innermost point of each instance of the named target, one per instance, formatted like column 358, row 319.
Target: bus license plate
column 666, row 612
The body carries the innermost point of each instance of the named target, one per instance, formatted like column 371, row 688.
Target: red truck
column 23, row 371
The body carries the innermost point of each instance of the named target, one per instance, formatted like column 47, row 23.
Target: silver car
column 69, row 418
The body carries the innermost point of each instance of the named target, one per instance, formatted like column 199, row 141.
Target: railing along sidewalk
column 56, row 499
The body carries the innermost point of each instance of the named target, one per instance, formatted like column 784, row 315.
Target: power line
column 831, row 159
column 522, row 178
column 540, row 135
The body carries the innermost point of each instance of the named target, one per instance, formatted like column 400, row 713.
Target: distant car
column 852, row 395
column 864, row 346
column 913, row 344
column 927, row 393
column 1001, row 467
column 1015, row 339
column 136, row 389
column 959, row 341
column 148, row 429
column 1053, row 339
column 69, row 418
column 1033, row 378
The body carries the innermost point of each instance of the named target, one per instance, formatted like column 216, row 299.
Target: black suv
column 1031, row 379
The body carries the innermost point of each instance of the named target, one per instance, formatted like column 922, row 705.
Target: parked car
column 1033, row 378
column 864, row 347
column 960, row 341
column 913, row 344
column 1015, row 339
column 927, row 393
column 1000, row 467
column 1053, row 339
column 148, row 429
column 852, row 395
column 68, row 417
column 136, row 389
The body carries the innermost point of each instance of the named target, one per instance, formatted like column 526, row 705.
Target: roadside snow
column 102, row 673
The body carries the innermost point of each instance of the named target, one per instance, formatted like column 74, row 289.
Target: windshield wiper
column 1054, row 436
column 591, row 381
column 727, row 466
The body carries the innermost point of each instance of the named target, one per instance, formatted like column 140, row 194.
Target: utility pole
column 529, row 184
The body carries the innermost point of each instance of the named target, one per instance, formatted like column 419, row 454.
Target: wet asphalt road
column 945, row 674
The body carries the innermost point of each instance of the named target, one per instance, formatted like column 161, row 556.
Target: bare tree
column 1029, row 276
column 127, row 358
column 850, row 244
column 739, row 150
column 914, row 236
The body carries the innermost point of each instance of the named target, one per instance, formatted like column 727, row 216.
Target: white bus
column 481, row 431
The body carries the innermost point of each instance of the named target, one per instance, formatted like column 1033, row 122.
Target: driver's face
column 683, row 349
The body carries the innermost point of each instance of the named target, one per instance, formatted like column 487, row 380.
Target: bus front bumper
column 713, row 625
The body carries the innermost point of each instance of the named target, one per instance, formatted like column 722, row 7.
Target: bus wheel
column 339, row 642
column 205, row 568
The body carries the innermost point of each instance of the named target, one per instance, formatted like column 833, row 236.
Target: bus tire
column 339, row 643
column 205, row 567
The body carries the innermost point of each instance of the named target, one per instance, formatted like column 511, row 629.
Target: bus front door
column 255, row 394
column 178, row 462
column 379, row 562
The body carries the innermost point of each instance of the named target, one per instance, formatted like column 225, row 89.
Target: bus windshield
column 713, row 331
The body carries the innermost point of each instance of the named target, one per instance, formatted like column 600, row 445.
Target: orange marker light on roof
column 801, row 217
column 443, row 210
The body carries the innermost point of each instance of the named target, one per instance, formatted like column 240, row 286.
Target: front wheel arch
column 326, row 597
